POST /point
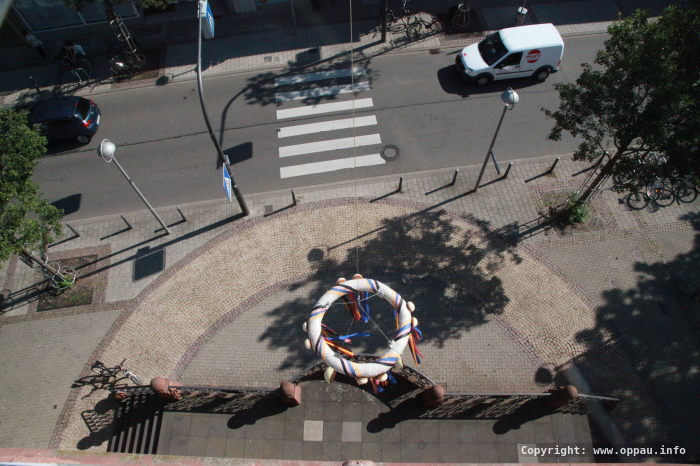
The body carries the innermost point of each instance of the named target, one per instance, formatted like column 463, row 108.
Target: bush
column 575, row 211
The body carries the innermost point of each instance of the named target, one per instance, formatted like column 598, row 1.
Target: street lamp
column 106, row 151
column 509, row 98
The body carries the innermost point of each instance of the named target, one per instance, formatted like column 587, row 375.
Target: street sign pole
column 200, row 89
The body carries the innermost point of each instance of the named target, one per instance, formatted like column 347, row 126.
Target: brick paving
column 615, row 301
column 224, row 313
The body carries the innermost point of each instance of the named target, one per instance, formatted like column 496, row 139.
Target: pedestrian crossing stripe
column 309, row 110
column 330, row 144
column 331, row 165
column 319, row 76
column 281, row 97
column 331, row 125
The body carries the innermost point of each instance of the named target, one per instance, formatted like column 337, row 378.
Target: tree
column 27, row 222
column 641, row 99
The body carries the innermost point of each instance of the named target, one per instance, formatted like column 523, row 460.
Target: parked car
column 67, row 118
column 525, row 51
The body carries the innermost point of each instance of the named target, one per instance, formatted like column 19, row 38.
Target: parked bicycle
column 79, row 67
column 638, row 169
column 685, row 188
column 657, row 191
column 127, row 65
column 113, row 373
column 461, row 15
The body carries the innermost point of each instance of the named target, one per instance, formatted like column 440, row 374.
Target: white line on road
column 321, row 91
column 326, row 126
column 331, row 144
column 300, row 78
column 331, row 165
column 308, row 110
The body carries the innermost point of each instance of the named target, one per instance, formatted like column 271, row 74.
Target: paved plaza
column 500, row 301
column 506, row 304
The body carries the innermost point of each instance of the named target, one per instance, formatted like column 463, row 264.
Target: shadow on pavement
column 645, row 350
column 451, row 278
column 264, row 407
column 452, row 83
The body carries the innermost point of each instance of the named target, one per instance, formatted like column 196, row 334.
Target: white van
column 524, row 51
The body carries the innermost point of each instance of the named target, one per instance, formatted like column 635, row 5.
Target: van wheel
column 482, row 80
column 541, row 74
column 83, row 139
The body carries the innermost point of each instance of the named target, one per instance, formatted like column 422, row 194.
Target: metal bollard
column 551, row 169
column 182, row 216
column 294, row 199
column 35, row 84
column 400, row 185
column 454, row 177
column 505, row 175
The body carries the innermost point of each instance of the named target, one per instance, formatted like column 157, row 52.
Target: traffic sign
column 227, row 183
column 207, row 19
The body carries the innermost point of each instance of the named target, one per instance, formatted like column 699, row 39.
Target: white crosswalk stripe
column 310, row 110
column 332, row 125
column 281, row 97
column 319, row 76
column 337, row 146
column 330, row 144
column 331, row 165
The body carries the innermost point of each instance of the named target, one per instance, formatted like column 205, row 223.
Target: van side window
column 511, row 60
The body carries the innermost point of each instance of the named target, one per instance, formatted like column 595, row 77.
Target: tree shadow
column 278, row 88
column 450, row 276
column 645, row 350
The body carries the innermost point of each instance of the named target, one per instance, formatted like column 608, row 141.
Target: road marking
column 321, row 91
column 331, row 165
column 308, row 110
column 321, row 75
column 331, row 125
column 331, row 144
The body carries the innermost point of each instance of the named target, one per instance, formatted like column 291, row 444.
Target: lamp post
column 509, row 98
column 106, row 151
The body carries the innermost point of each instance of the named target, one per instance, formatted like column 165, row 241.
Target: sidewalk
column 277, row 44
column 504, row 305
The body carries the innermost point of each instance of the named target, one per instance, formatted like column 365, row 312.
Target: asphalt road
column 420, row 105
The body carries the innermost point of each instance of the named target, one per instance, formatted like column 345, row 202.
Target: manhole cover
column 390, row 152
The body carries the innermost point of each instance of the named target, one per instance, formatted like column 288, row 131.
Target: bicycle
column 113, row 372
column 657, row 191
column 434, row 21
column 127, row 65
column 79, row 67
column 461, row 16
column 685, row 189
column 638, row 168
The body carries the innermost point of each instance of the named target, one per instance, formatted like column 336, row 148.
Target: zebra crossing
column 333, row 138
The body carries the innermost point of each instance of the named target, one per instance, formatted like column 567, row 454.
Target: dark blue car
column 67, row 118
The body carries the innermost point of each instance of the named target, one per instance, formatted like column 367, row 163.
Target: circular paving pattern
column 462, row 276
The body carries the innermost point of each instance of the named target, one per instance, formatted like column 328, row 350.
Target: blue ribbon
column 350, row 336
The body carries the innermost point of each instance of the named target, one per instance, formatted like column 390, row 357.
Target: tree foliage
column 641, row 98
column 26, row 220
